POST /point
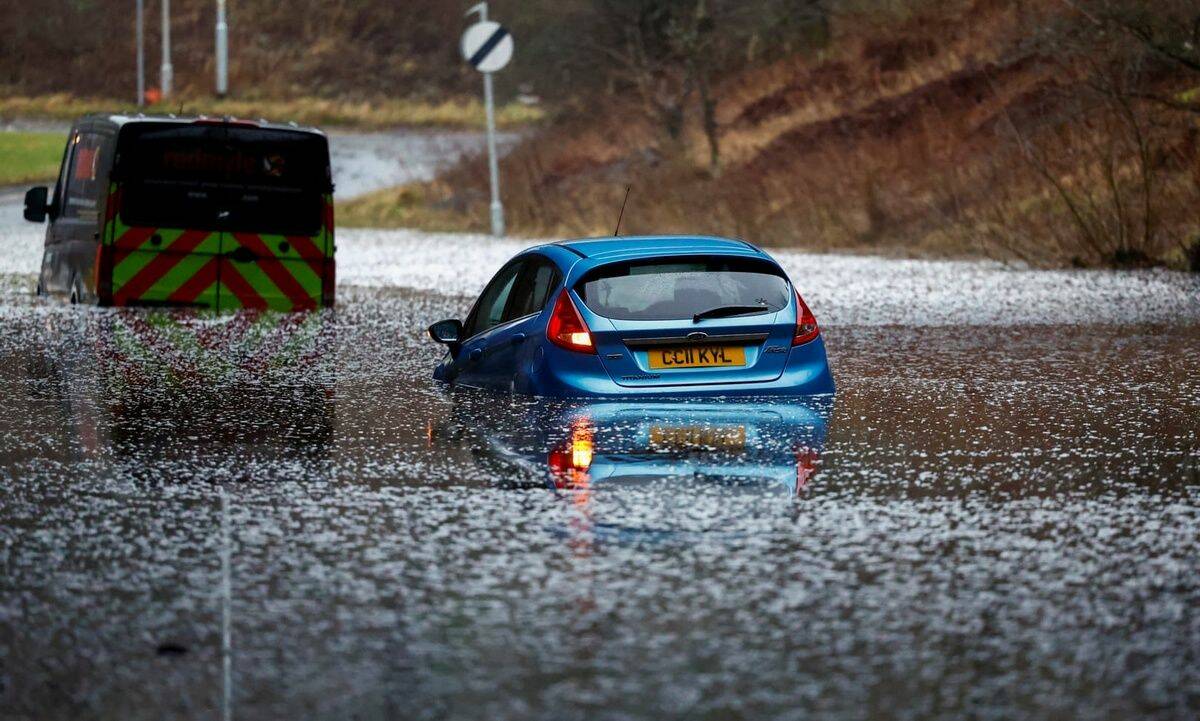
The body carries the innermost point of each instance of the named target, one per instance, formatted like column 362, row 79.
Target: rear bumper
column 806, row 373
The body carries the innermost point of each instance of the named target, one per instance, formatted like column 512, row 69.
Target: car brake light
column 806, row 323
column 566, row 328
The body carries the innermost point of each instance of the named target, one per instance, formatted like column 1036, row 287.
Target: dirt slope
column 953, row 131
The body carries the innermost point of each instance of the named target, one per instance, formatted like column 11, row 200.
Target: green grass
column 29, row 157
column 464, row 112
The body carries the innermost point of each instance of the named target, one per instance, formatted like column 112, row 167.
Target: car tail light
column 566, row 328
column 806, row 323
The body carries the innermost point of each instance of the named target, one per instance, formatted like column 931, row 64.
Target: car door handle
column 518, row 338
column 475, row 354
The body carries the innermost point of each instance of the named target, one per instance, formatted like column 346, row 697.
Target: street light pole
column 166, row 73
column 222, row 51
column 141, row 53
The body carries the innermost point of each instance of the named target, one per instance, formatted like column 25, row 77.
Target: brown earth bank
column 1051, row 131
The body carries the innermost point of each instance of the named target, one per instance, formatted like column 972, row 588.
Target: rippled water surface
column 281, row 517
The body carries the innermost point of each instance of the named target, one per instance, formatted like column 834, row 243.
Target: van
column 209, row 213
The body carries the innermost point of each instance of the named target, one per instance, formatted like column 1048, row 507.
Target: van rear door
column 221, row 215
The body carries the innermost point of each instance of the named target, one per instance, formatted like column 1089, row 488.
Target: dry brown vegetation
column 1051, row 131
column 466, row 112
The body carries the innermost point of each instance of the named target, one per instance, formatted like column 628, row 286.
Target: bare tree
column 673, row 52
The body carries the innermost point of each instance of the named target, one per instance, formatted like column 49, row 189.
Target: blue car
column 638, row 316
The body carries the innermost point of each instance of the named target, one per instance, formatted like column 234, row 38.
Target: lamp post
column 222, row 51
column 166, row 73
column 141, row 53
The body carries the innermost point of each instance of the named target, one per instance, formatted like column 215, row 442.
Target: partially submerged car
column 200, row 212
column 638, row 316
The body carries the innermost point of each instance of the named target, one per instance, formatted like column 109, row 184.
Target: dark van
column 211, row 213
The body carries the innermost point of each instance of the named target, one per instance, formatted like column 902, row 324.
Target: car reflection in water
column 768, row 446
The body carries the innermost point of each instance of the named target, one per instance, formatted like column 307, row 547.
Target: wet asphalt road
column 282, row 517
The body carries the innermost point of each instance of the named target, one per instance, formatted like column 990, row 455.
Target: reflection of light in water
column 806, row 466
column 569, row 464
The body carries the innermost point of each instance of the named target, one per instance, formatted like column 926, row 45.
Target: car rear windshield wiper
column 725, row 311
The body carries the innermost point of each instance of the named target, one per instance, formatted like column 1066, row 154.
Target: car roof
column 121, row 120
column 649, row 246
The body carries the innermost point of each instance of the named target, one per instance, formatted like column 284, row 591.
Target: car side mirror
column 36, row 204
column 447, row 332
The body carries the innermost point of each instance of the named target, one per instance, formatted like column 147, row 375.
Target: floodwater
column 998, row 516
column 264, row 516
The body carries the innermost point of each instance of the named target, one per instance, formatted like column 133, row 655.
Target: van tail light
column 566, row 328
column 329, row 283
column 806, row 323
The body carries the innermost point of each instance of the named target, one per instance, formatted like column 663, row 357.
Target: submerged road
column 280, row 516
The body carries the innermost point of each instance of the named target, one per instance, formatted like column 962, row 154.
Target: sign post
column 488, row 46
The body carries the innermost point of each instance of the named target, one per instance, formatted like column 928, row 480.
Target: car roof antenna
column 617, row 231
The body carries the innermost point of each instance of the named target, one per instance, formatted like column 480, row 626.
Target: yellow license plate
column 697, row 356
column 682, row 438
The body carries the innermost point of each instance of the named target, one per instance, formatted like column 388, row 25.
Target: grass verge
column 414, row 205
column 29, row 157
column 366, row 114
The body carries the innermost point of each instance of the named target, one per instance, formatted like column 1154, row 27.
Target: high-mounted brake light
column 566, row 328
column 235, row 122
column 806, row 323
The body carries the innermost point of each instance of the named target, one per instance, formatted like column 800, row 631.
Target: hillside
column 1015, row 130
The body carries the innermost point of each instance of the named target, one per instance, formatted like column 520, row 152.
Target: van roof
column 120, row 120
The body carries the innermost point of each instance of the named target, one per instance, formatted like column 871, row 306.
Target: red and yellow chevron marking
column 221, row 270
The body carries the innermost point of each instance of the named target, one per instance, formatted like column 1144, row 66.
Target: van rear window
column 220, row 177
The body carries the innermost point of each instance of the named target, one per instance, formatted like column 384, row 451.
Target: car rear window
column 221, row 177
column 678, row 288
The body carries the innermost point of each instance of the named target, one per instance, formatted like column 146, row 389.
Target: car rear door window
column 533, row 287
column 489, row 311
column 679, row 288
